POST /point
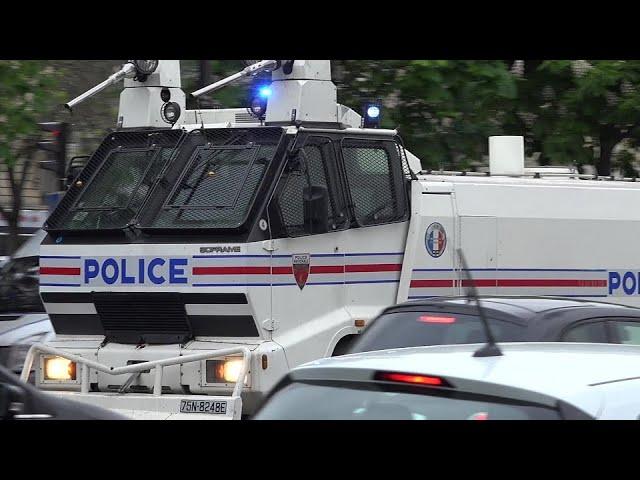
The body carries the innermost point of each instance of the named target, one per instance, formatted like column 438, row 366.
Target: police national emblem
column 301, row 263
column 435, row 239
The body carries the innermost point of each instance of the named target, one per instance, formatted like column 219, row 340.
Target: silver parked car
column 525, row 381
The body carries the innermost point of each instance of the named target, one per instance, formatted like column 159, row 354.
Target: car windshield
column 414, row 329
column 350, row 401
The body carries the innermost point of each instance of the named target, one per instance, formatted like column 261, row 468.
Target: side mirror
column 76, row 164
column 316, row 209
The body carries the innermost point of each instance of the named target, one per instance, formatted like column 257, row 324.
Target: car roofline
column 577, row 300
column 458, row 384
column 504, row 300
column 373, row 361
column 465, row 308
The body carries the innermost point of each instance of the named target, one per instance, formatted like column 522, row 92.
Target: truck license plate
column 214, row 407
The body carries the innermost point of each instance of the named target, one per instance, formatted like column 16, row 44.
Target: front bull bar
column 157, row 365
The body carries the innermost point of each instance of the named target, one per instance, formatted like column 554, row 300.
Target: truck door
column 307, row 217
column 429, row 264
column 377, row 186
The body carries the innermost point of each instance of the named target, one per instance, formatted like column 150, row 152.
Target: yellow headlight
column 58, row 368
column 231, row 370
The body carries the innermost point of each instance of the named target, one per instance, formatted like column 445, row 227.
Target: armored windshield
column 215, row 179
column 117, row 179
column 204, row 179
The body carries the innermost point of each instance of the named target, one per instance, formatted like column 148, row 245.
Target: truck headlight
column 58, row 368
column 223, row 371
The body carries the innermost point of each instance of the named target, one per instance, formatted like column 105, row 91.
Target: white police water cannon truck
column 201, row 254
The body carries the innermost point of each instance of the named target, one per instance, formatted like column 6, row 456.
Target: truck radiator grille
column 143, row 317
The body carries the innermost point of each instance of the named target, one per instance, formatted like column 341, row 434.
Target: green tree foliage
column 228, row 97
column 447, row 109
column 27, row 88
column 596, row 100
column 570, row 111
column 444, row 109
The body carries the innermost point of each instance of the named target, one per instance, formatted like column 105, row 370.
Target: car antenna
column 490, row 349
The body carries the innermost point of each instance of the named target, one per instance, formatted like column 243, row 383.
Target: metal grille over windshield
column 372, row 180
column 115, row 183
column 222, row 172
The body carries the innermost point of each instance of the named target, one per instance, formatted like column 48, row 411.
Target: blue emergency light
column 264, row 92
column 371, row 114
column 258, row 103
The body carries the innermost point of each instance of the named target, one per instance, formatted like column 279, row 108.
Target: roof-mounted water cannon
column 249, row 70
column 136, row 69
column 152, row 96
column 301, row 92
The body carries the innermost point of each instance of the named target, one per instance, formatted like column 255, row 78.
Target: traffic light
column 56, row 144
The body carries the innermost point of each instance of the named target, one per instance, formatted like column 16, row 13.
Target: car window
column 309, row 401
column 626, row 332
column 593, row 332
column 414, row 329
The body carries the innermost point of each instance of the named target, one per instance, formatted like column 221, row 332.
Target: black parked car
column 20, row 277
column 455, row 320
column 21, row 401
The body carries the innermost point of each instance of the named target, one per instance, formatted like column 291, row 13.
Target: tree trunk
column 204, row 77
column 12, row 241
column 13, row 218
column 11, row 215
column 17, row 181
column 608, row 141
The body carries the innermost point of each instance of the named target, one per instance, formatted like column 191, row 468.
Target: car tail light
column 412, row 379
column 436, row 319
column 479, row 416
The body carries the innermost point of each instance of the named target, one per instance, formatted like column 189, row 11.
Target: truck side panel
column 559, row 240
column 428, row 267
